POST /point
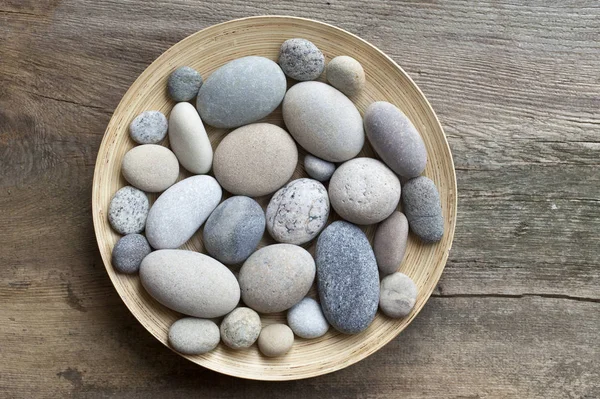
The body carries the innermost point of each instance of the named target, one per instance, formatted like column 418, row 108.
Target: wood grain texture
column 517, row 89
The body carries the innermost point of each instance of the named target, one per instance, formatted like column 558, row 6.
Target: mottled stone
column 318, row 168
column 323, row 121
column 149, row 127
column 346, row 74
column 241, row 92
column 255, row 160
column 395, row 139
column 398, row 295
column 347, row 277
column 240, row 328
column 189, row 140
column 192, row 336
column 306, row 319
column 129, row 252
column 184, row 83
column 190, row 283
column 275, row 340
column 300, row 59
column 298, row 212
column 364, row 191
column 234, row 229
column 128, row 210
column 422, row 207
column 276, row 277
column 150, row 167
column 390, row 242
column 180, row 211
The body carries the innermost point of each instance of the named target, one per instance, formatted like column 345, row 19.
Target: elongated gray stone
column 422, row 207
column 318, row 168
column 390, row 242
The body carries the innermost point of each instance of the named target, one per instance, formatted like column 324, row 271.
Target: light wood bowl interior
column 206, row 51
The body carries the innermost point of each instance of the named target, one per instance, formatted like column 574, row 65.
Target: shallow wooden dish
column 206, row 51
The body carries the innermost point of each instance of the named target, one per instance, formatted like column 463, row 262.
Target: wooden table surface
column 517, row 89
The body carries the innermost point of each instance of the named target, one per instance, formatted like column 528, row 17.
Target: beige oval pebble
column 346, row 74
column 150, row 167
column 398, row 294
column 389, row 243
column 192, row 336
column 275, row 340
column 189, row 140
column 255, row 160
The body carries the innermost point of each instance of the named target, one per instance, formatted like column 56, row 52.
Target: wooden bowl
column 206, row 51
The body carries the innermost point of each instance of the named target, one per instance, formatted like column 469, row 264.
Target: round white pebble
column 306, row 319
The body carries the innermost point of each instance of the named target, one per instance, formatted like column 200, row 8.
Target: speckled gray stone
column 180, row 211
column 192, row 336
column 422, row 207
column 149, row 127
column 306, row 319
column 241, row 92
column 395, row 139
column 347, row 277
column 240, row 328
column 276, row 277
column 151, row 168
column 318, row 168
column 390, row 241
column 129, row 252
column 184, row 83
column 300, row 59
column 275, row 340
column 323, row 121
column 298, row 212
column 234, row 229
column 364, row 191
column 128, row 210
column 346, row 74
column 190, row 283
column 398, row 295
column 255, row 159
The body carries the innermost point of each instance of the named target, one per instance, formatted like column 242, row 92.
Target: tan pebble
column 275, row 340
column 346, row 74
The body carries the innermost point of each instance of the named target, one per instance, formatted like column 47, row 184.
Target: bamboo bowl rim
column 213, row 46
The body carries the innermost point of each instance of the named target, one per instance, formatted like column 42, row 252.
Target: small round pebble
column 129, row 252
column 318, row 168
column 275, row 340
column 149, row 127
column 128, row 210
column 192, row 336
column 240, row 328
column 346, row 74
column 150, row 167
column 184, row 84
column 300, row 59
column 306, row 319
column 398, row 295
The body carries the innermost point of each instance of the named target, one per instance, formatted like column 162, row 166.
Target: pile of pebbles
column 235, row 281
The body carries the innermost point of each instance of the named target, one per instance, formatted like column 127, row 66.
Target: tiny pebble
column 306, row 319
column 346, row 74
column 240, row 328
column 192, row 336
column 128, row 210
column 300, row 59
column 149, row 127
column 129, row 252
column 184, row 84
column 398, row 295
column 318, row 168
column 275, row 340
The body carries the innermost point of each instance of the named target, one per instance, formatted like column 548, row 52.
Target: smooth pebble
column 422, row 207
column 189, row 140
column 318, row 168
column 398, row 295
column 241, row 92
column 255, row 160
column 149, row 127
column 192, row 336
column 364, row 191
column 301, row 60
column 306, row 319
column 150, row 167
column 298, row 212
column 346, row 74
column 234, row 229
column 184, row 83
column 190, row 283
column 275, row 340
column 390, row 242
column 180, row 211
column 240, row 328
column 129, row 252
column 128, row 210
column 323, row 121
